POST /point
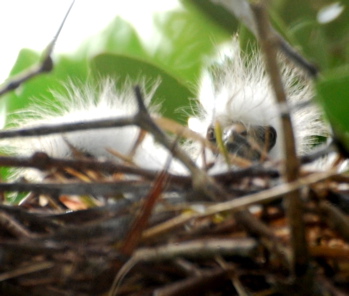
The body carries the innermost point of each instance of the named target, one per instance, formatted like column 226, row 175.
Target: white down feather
column 237, row 89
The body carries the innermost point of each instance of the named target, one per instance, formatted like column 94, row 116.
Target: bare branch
column 201, row 180
column 43, row 130
column 198, row 249
column 295, row 207
column 46, row 64
column 243, row 202
column 242, row 10
column 96, row 188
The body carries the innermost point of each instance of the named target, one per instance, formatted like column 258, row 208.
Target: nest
column 99, row 228
column 154, row 234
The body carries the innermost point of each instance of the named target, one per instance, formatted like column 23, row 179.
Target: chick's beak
column 252, row 142
column 235, row 139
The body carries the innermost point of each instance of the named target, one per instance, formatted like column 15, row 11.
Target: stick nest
column 156, row 235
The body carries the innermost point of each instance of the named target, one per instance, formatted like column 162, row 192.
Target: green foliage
column 125, row 68
column 186, row 37
column 324, row 44
column 333, row 93
column 41, row 87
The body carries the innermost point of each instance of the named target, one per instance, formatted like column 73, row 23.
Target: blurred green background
column 188, row 37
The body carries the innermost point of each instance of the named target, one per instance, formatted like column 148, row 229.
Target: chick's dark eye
column 210, row 135
column 244, row 133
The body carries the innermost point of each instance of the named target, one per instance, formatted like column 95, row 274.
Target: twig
column 328, row 287
column 43, row 130
column 243, row 11
column 195, row 249
column 234, row 176
column 268, row 43
column 46, row 65
column 201, row 181
column 205, row 248
column 335, row 219
column 42, row 161
column 196, row 284
column 258, row 229
column 96, row 188
column 241, row 203
column 133, row 237
column 294, row 56
column 319, row 153
column 12, row 226
column 26, row 270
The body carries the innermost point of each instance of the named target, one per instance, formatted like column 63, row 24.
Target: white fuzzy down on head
column 238, row 90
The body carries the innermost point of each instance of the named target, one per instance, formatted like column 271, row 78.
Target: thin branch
column 319, row 153
column 335, row 218
column 204, row 248
column 23, row 270
column 10, row 224
column 78, row 188
column 296, row 57
column 144, row 120
column 48, row 129
column 268, row 43
column 243, row 11
column 243, row 202
column 46, row 64
column 133, row 237
column 202, row 182
column 43, row 162
column 258, row 229
column 195, row 249
column 195, row 284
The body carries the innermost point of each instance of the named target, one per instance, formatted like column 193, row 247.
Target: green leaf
column 40, row 87
column 19, row 98
column 172, row 92
column 186, row 39
column 26, row 58
column 118, row 37
column 333, row 94
column 214, row 13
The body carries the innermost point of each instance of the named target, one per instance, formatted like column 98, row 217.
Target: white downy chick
column 237, row 94
column 85, row 104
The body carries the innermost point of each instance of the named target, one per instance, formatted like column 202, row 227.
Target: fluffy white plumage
column 85, row 104
column 236, row 91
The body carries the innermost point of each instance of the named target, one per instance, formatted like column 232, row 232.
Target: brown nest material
column 156, row 235
column 89, row 230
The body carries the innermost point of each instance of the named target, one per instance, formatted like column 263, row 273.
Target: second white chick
column 237, row 94
column 85, row 104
